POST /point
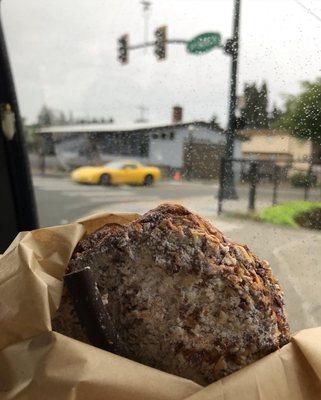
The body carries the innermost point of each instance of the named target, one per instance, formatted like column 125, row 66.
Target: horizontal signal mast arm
column 148, row 44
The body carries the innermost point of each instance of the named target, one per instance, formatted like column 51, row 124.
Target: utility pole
column 142, row 110
column 200, row 44
column 232, row 48
column 146, row 6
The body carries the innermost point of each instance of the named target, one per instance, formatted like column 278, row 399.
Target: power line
column 308, row 10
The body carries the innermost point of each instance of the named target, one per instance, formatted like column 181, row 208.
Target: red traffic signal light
column 160, row 42
column 123, row 49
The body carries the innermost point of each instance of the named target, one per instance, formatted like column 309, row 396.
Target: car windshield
column 115, row 164
column 220, row 100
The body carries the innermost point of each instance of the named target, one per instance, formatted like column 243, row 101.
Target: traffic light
column 230, row 47
column 123, row 49
column 160, row 42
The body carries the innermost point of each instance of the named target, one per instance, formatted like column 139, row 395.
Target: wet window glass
column 214, row 104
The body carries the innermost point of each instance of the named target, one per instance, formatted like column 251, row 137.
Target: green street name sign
column 204, row 43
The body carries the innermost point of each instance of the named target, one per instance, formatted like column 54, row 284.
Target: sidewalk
column 204, row 205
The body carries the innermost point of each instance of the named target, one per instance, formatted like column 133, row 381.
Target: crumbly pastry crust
column 184, row 298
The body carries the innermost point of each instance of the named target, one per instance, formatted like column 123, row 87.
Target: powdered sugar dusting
column 183, row 297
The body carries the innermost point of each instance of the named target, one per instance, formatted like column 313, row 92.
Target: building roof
column 126, row 128
column 248, row 133
column 133, row 127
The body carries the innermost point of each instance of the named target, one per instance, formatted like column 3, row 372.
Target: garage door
column 202, row 160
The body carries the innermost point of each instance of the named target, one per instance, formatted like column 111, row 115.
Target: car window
column 222, row 97
column 115, row 165
column 130, row 166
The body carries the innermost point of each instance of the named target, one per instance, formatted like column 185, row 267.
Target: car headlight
column 75, row 174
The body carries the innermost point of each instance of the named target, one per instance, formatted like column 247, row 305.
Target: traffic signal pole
column 199, row 45
column 228, row 185
column 150, row 44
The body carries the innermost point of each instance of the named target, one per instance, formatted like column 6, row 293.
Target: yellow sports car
column 117, row 172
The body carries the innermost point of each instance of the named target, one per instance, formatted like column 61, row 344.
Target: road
column 294, row 254
column 60, row 200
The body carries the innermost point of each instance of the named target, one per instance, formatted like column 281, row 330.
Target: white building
column 192, row 147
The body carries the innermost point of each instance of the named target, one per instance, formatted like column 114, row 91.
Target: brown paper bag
column 37, row 363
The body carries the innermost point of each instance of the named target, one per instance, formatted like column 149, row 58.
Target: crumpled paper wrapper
column 37, row 363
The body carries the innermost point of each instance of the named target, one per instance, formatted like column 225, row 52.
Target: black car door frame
column 17, row 201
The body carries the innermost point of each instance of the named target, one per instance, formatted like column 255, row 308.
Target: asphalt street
column 294, row 254
column 60, row 200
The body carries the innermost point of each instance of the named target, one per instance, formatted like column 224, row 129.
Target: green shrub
column 310, row 219
column 302, row 180
column 286, row 213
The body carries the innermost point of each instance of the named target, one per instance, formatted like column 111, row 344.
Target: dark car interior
column 17, row 202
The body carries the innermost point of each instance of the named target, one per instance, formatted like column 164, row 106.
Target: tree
column 263, row 102
column 46, row 116
column 61, row 120
column 215, row 125
column 71, row 119
column 302, row 116
column 275, row 115
column 255, row 110
column 44, row 143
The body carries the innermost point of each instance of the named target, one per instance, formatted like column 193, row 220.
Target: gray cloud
column 63, row 53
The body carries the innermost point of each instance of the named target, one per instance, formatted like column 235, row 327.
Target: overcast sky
column 63, row 54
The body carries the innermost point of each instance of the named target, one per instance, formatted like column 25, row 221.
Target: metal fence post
column 308, row 182
column 276, row 181
column 253, row 175
column 42, row 156
column 221, row 189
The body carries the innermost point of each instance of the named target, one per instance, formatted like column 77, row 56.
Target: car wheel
column 105, row 180
column 149, row 180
